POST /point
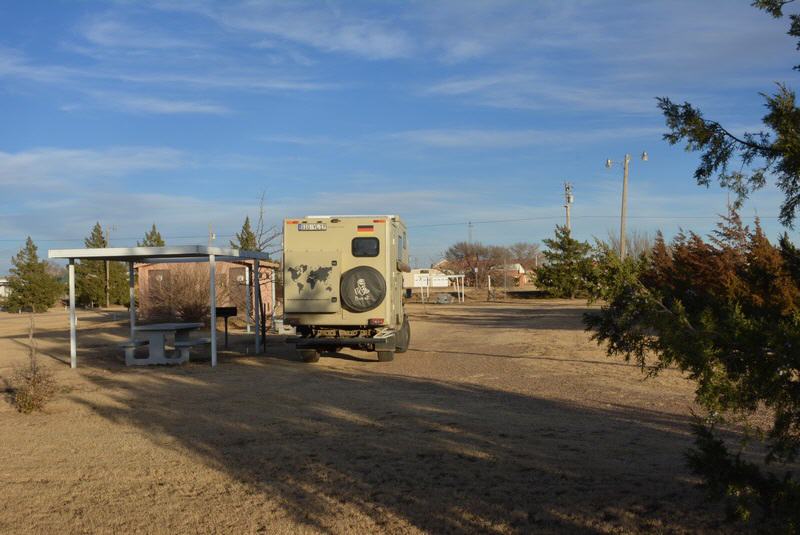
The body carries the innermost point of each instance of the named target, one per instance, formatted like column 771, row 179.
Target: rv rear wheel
column 385, row 356
column 309, row 355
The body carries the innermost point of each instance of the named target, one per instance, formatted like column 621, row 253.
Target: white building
column 4, row 289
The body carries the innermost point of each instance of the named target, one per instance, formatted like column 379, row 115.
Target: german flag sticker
column 366, row 228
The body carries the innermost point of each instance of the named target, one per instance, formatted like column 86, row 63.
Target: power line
column 554, row 217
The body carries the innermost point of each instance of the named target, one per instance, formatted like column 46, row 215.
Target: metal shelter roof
column 154, row 254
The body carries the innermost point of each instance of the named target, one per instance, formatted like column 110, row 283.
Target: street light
column 624, row 211
column 569, row 198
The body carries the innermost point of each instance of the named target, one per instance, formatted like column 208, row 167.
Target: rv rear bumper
column 381, row 341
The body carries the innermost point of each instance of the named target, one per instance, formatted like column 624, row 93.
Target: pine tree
column 32, row 288
column 246, row 239
column 91, row 275
column 152, row 238
column 567, row 265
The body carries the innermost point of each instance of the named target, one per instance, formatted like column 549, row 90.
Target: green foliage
column 245, row 239
column 744, row 162
column 727, row 312
column 152, row 238
column 568, row 265
column 90, row 280
column 31, row 286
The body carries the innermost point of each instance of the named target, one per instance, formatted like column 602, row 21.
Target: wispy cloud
column 106, row 31
column 518, row 90
column 509, row 139
column 14, row 64
column 320, row 26
column 161, row 106
column 66, row 168
column 238, row 79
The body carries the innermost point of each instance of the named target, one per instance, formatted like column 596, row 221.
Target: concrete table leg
column 156, row 344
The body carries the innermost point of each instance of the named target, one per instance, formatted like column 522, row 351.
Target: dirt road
column 500, row 418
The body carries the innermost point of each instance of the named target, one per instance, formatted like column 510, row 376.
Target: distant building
column 5, row 289
column 422, row 278
column 514, row 272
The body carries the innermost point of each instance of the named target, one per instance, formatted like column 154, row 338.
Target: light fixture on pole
column 624, row 212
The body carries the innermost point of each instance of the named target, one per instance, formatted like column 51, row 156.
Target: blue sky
column 182, row 113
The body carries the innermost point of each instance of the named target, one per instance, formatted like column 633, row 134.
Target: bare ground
column 500, row 418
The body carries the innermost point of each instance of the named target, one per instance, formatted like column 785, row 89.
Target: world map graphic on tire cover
column 363, row 288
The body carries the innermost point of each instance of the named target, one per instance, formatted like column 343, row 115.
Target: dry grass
column 501, row 418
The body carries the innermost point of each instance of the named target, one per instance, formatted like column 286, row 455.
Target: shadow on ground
column 509, row 317
column 399, row 452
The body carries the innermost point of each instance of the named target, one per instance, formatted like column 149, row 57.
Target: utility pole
column 569, row 198
column 469, row 232
column 624, row 211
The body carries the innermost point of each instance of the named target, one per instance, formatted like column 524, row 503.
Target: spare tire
column 362, row 288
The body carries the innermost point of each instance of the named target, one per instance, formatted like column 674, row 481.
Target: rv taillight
column 376, row 321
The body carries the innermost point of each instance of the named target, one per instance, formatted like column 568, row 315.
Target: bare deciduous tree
column 184, row 294
column 637, row 243
column 266, row 235
column 525, row 253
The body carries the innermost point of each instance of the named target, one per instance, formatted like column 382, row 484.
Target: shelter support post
column 248, row 297
column 132, row 296
column 73, row 338
column 272, row 301
column 257, row 291
column 212, row 268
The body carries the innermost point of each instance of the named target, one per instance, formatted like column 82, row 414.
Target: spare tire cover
column 362, row 288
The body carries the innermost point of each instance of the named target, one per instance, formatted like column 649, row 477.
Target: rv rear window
column 366, row 247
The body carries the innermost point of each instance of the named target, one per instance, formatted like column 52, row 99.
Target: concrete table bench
column 183, row 346
column 129, row 347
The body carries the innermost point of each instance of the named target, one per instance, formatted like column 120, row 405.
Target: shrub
column 184, row 294
column 34, row 386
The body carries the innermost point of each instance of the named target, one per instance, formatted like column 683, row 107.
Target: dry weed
column 33, row 386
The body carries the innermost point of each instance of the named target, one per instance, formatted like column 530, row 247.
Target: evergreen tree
column 727, row 312
column 90, row 281
column 568, row 265
column 31, row 286
column 152, row 238
column 246, row 239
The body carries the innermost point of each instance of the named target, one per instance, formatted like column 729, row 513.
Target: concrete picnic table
column 156, row 336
